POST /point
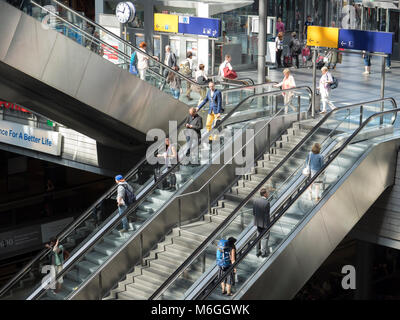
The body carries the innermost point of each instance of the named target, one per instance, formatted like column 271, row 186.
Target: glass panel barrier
column 280, row 183
column 180, row 84
column 104, row 212
column 301, row 205
column 100, row 245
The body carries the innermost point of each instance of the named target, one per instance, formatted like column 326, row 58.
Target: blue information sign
column 370, row 41
column 201, row 26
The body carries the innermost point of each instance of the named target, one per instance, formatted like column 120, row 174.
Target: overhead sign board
column 166, row 22
column 31, row 138
column 370, row 41
column 322, row 37
column 200, row 26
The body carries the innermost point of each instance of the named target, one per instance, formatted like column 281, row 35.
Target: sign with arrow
column 371, row 41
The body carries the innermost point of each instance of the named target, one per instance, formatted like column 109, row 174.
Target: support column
column 99, row 9
column 364, row 264
column 149, row 25
column 262, row 40
column 203, row 48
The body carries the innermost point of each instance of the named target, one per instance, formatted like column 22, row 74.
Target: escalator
column 196, row 278
column 49, row 63
column 101, row 252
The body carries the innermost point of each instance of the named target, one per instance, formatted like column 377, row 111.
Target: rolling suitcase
column 287, row 61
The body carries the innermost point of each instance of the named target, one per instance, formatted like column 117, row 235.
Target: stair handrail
column 205, row 292
column 112, row 190
column 128, row 44
column 207, row 242
column 85, row 248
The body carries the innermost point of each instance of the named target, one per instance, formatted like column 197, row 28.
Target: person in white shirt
column 325, row 89
column 287, row 83
column 201, row 78
column 143, row 61
column 279, row 49
column 187, row 71
column 223, row 65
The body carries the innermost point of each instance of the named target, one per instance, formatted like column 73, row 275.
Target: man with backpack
column 262, row 221
column 226, row 256
column 125, row 197
column 187, row 70
column 295, row 48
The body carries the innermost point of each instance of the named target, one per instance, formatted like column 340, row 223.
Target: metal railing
column 232, row 216
column 204, row 293
column 63, row 234
column 98, row 237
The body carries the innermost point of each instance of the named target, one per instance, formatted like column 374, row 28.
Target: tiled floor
column 353, row 85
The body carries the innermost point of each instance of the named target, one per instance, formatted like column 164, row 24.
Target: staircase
column 181, row 242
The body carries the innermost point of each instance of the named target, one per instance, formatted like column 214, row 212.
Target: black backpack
column 335, row 83
column 129, row 196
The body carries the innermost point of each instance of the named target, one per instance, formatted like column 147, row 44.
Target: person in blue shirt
column 214, row 97
column 316, row 161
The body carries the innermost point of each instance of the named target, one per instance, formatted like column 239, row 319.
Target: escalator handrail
column 76, row 222
column 281, row 211
column 228, row 219
column 106, row 195
column 125, row 43
column 133, row 207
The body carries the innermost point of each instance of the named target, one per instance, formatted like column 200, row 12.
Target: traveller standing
column 295, row 48
column 223, row 65
column 287, row 83
column 262, row 220
column 367, row 62
column 309, row 22
column 143, row 61
column 169, row 60
column 332, row 58
column 57, row 260
column 170, row 157
column 280, row 26
column 187, row 70
column 125, row 197
column 174, row 82
column 194, row 124
column 325, row 89
column 214, row 97
column 201, row 78
column 315, row 161
column 226, row 256
column 279, row 49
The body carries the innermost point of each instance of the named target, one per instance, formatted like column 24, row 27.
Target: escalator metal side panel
column 331, row 220
column 54, row 76
column 129, row 255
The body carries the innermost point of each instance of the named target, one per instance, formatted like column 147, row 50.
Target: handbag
column 307, row 171
column 229, row 74
column 133, row 70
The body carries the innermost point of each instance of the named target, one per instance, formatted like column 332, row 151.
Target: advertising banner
column 31, row 138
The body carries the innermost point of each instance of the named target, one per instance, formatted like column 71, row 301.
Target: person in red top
column 287, row 83
column 280, row 26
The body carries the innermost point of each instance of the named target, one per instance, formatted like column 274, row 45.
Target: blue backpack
column 132, row 66
column 223, row 254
